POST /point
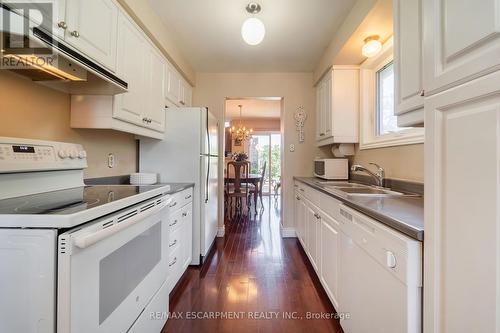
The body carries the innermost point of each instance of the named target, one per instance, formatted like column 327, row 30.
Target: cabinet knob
column 422, row 92
column 62, row 25
column 317, row 216
column 75, row 34
column 297, row 197
column 321, row 134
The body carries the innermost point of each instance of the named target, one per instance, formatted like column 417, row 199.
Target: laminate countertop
column 404, row 214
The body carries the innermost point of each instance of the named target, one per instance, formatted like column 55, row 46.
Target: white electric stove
column 76, row 258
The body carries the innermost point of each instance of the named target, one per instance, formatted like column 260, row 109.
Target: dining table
column 253, row 178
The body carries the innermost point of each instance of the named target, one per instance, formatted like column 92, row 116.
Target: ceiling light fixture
column 241, row 133
column 372, row 46
column 253, row 30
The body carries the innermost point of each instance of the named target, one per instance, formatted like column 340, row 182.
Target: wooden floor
column 254, row 275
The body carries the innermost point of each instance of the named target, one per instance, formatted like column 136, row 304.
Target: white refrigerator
column 189, row 153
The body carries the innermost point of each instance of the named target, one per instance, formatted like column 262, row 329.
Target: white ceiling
column 253, row 108
column 209, row 33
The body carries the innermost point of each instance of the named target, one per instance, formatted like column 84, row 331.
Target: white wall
column 296, row 89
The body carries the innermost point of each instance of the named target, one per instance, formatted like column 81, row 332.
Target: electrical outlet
column 111, row 160
column 292, row 147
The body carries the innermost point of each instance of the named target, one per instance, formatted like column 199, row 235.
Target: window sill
column 392, row 140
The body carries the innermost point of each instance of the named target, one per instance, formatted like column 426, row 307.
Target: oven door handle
column 85, row 240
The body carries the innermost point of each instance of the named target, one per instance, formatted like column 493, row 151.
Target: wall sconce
column 372, row 46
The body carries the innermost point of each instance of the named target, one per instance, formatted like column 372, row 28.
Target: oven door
column 109, row 270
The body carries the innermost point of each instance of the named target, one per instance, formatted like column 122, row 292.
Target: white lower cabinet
column 318, row 233
column 329, row 266
column 181, row 236
column 369, row 271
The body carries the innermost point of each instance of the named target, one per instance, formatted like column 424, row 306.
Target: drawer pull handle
column 184, row 214
column 173, row 262
column 173, row 204
column 173, row 244
column 301, row 189
column 172, row 224
column 187, row 197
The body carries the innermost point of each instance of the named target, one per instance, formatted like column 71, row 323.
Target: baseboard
column 287, row 232
column 221, row 231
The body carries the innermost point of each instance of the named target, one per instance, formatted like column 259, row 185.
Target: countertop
column 405, row 214
column 176, row 187
column 124, row 180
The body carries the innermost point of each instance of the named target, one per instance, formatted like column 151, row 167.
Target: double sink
column 355, row 189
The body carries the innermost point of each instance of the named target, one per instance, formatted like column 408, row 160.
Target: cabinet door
column 92, row 29
column 328, row 116
column 312, row 218
column 53, row 15
column 300, row 218
column 155, row 71
column 462, row 218
column 318, row 112
column 461, row 41
column 188, row 95
column 330, row 247
column 409, row 86
column 172, row 87
column 131, row 46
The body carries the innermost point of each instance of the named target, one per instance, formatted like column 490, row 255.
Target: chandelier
column 241, row 133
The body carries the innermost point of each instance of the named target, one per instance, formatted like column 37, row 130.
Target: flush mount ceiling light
column 372, row 46
column 253, row 30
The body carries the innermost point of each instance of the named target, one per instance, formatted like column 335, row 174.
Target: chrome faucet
column 379, row 175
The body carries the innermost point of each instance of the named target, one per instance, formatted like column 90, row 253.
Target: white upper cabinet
column 177, row 91
column 409, row 86
column 461, row 41
column 172, row 87
column 337, row 106
column 155, row 70
column 131, row 66
column 92, row 29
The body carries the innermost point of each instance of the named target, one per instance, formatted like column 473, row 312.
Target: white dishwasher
column 380, row 283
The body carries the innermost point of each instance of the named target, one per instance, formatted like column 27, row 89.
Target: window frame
column 369, row 105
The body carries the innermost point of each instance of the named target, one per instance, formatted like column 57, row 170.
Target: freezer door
column 209, row 221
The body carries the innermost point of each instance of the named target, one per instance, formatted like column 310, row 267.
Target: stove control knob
column 82, row 154
column 63, row 153
column 73, row 154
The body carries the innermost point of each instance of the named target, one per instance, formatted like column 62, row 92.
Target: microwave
column 332, row 168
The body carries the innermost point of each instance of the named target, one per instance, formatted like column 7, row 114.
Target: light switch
column 292, row 147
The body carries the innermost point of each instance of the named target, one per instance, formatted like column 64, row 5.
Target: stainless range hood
column 51, row 62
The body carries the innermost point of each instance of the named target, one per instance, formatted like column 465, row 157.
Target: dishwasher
column 380, row 282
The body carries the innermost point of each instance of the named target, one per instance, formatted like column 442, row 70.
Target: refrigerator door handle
column 207, row 181
column 208, row 135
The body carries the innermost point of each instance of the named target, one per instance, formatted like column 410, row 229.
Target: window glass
column 386, row 122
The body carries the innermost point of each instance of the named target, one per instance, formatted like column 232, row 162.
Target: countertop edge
column 395, row 224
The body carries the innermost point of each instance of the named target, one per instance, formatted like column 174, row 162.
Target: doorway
column 265, row 150
column 262, row 148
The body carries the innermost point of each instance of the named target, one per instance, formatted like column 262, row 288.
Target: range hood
column 51, row 62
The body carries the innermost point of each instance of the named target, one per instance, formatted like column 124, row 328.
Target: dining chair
column 258, row 192
column 239, row 188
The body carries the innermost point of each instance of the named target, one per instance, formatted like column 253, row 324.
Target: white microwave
column 332, row 168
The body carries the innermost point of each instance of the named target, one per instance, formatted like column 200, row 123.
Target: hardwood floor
column 254, row 275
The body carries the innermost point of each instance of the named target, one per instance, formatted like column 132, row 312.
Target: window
column 379, row 125
column 386, row 121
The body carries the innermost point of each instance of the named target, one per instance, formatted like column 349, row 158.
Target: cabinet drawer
column 175, row 220
column 330, row 206
column 175, row 239
column 181, row 198
column 174, row 261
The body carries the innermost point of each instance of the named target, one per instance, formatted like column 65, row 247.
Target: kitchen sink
column 356, row 189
